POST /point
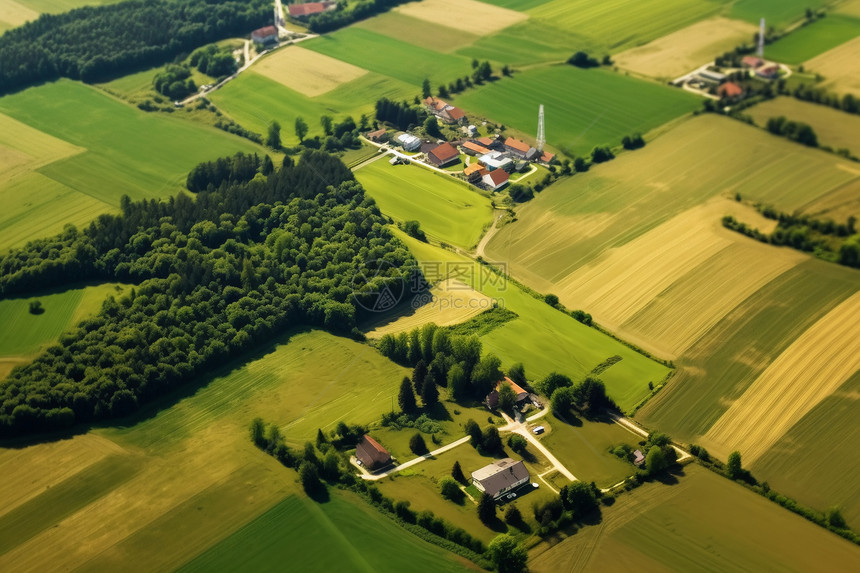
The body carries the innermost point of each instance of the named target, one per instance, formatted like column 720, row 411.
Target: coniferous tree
column 406, row 398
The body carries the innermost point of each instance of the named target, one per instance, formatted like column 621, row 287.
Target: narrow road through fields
column 414, row 461
column 479, row 250
column 631, row 427
column 520, row 428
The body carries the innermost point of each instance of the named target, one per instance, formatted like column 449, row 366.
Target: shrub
column 517, row 443
column 451, row 490
column 417, row 444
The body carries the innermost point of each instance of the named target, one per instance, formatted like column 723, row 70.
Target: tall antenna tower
column 541, row 138
column 760, row 50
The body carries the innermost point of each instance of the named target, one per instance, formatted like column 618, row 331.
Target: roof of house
column 752, row 61
column 377, row 133
column 485, row 141
column 265, row 31
column 516, row 387
column 370, row 452
column 517, row 144
column 444, row 152
column 456, row 113
column 771, row 69
column 638, row 457
column 499, row 176
column 730, row 89
column 306, row 9
column 407, row 138
column 472, row 168
column 476, row 147
column 500, row 475
column 547, row 157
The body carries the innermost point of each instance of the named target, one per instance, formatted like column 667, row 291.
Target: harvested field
column 834, row 128
column 671, row 56
column 811, row 369
column 703, row 523
column 441, row 38
column 449, row 302
column 840, row 68
column 308, row 72
column 814, row 39
column 467, row 15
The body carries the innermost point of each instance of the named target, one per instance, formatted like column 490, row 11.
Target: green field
column 448, row 209
column 583, row 108
column 704, row 523
column 542, row 338
column 388, row 56
column 813, row 39
column 530, row 42
column 343, row 533
column 778, row 13
column 833, row 127
column 98, row 149
column 621, row 24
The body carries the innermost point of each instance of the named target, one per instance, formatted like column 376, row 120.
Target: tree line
column 98, row 42
column 214, row 277
column 328, row 21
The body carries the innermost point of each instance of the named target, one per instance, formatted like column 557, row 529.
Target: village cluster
column 489, row 162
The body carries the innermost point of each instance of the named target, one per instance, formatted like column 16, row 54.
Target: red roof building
column 485, row 141
column 265, row 35
column 547, row 157
column 310, row 8
column 495, row 180
column 520, row 148
column 474, row 172
column 751, row 61
column 730, row 90
column 455, row 114
column 444, row 154
column 472, row 148
column 377, row 135
column 371, row 454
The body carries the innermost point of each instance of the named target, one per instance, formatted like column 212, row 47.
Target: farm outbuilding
column 371, row 454
column 442, row 155
column 409, row 141
column 309, row 9
column 267, row 35
column 501, row 477
column 520, row 149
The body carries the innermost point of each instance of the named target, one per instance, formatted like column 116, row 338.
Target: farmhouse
column 768, row 72
column 520, row 149
column 307, row 10
column 474, row 148
column 474, row 172
column 378, row 135
column 547, row 157
column 444, row 154
column 500, row 477
column 444, row 111
column 730, row 90
column 409, row 141
column 493, row 397
column 496, row 160
column 371, row 454
column 267, row 35
column 751, row 62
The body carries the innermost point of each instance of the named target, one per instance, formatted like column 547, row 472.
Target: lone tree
column 406, row 398
column 326, row 123
column 425, row 88
column 517, row 443
column 301, row 129
column 474, row 432
column 450, row 490
column 486, row 509
column 506, row 555
column 417, row 444
column 36, row 307
column 733, row 467
column 273, row 139
column 457, row 473
column 835, row 519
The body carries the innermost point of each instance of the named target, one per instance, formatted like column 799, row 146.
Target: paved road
column 418, row 460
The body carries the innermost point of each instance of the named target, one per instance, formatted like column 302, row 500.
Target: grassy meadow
column 778, row 13
column 448, row 209
column 345, row 532
column 583, row 108
column 702, row 523
column 814, row 39
column 183, row 472
column 834, row 128
column 555, row 341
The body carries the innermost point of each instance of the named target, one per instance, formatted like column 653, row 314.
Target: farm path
column 630, row 426
column 520, row 428
column 479, row 251
column 419, row 459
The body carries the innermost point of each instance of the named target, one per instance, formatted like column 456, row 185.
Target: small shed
column 638, row 458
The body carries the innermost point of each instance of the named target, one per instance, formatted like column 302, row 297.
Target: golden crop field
column 308, row 72
column 680, row 52
column 811, row 369
column 449, row 302
column 467, row 15
column 840, row 67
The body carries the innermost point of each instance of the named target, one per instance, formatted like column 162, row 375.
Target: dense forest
column 98, row 42
column 214, row 275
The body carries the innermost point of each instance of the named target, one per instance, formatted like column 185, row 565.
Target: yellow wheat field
column 307, row 72
column 467, row 15
column 682, row 51
column 840, row 67
column 449, row 302
column 808, row 371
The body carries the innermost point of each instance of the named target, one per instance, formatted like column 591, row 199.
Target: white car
column 538, row 429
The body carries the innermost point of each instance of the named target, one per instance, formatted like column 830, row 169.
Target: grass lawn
column 703, row 523
column 128, row 151
column 583, row 447
column 778, row 13
column 814, row 39
column 543, row 338
column 448, row 209
column 344, row 533
column 583, row 108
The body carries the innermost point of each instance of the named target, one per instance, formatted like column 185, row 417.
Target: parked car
column 538, row 429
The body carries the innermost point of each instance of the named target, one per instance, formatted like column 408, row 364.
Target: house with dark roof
column 266, row 35
column 442, row 155
column 501, row 477
column 520, row 149
column 371, row 454
column 308, row 9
